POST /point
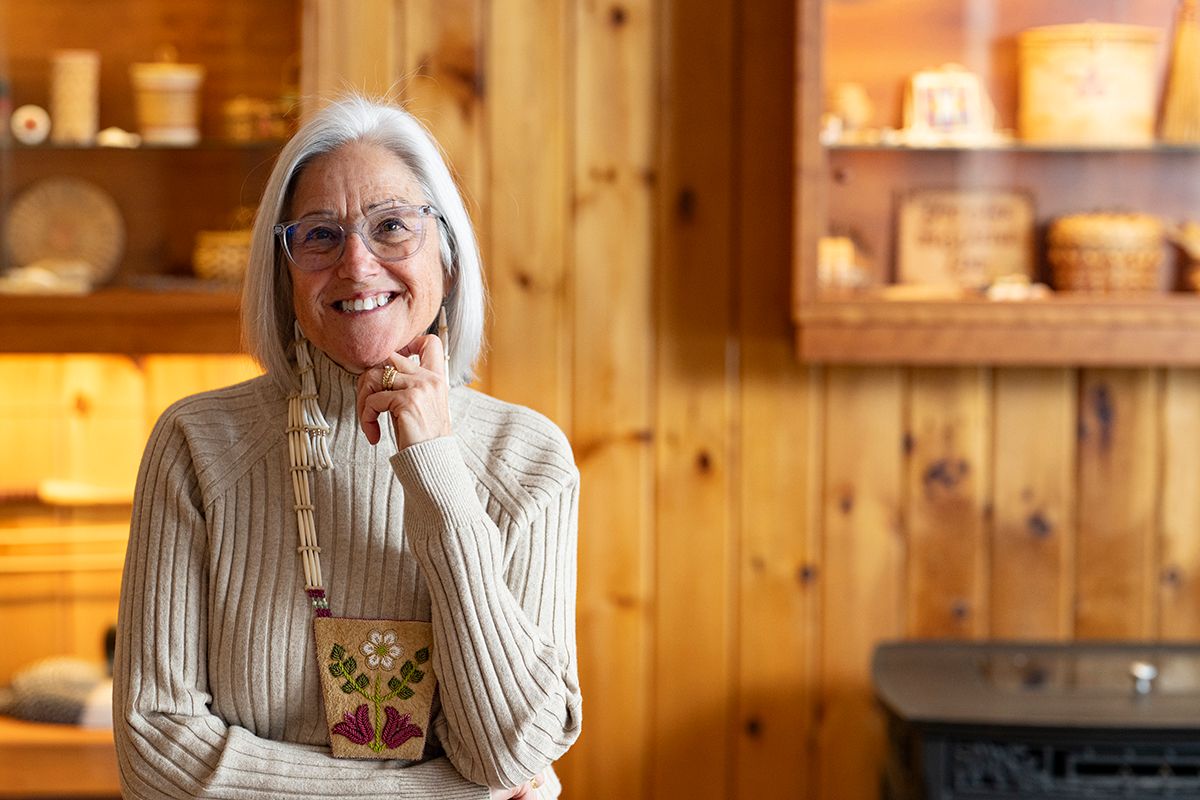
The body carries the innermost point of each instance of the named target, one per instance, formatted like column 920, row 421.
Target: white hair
column 268, row 314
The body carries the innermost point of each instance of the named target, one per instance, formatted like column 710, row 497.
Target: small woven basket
column 1106, row 253
column 221, row 255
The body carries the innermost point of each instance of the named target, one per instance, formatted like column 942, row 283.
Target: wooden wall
column 750, row 527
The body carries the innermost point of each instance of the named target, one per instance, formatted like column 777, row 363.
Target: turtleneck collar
column 335, row 387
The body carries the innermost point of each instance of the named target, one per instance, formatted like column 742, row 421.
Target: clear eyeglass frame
column 422, row 213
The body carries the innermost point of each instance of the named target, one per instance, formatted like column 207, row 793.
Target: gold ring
column 389, row 377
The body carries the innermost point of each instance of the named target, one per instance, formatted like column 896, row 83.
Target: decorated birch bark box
column 1092, row 83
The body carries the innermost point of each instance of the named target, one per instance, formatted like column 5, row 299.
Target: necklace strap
column 307, row 431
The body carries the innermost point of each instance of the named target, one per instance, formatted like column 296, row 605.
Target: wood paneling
column 529, row 45
column 693, row 668
column 776, row 482
column 862, row 568
column 1178, row 578
column 1033, row 504
column 1118, row 478
column 612, row 379
column 947, row 484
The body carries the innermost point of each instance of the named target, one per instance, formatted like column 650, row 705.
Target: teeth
column 365, row 303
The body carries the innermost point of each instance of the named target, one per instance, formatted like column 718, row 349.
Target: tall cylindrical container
column 168, row 102
column 74, row 96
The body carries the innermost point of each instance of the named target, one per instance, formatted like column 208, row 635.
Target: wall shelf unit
column 853, row 187
column 166, row 195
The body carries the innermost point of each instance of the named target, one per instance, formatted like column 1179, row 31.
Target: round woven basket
column 221, row 255
column 1106, row 252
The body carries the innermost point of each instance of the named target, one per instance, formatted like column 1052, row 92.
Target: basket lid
column 1090, row 33
column 1106, row 227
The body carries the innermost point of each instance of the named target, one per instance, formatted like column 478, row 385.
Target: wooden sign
column 964, row 237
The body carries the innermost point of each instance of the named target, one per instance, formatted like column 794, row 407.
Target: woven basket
column 221, row 255
column 1106, row 253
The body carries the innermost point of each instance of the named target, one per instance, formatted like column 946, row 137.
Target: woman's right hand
column 526, row 791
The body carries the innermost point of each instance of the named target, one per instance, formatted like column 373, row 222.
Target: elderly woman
column 357, row 483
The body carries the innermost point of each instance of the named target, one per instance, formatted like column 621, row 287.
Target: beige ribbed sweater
column 216, row 691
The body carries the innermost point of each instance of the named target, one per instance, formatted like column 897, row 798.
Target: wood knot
column 83, row 405
column 617, row 16
column 704, row 461
column 1039, row 527
column 685, row 205
column 603, row 174
column 524, row 279
column 624, row 601
column 1104, row 410
column 960, row 610
column 946, row 473
column 807, row 574
column 754, row 727
column 846, row 501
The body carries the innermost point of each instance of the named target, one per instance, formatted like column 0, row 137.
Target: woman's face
column 344, row 185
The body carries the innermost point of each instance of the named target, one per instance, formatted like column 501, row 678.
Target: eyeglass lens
column 391, row 234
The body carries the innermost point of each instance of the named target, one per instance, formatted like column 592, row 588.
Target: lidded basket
column 1106, row 252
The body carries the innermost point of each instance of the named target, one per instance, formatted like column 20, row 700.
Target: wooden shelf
column 10, row 146
column 1157, row 148
column 56, row 761
column 1107, row 331
column 121, row 321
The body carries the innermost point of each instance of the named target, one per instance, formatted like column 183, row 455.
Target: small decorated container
column 1090, row 83
column 1106, row 252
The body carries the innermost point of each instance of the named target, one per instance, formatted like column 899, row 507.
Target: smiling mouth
column 361, row 304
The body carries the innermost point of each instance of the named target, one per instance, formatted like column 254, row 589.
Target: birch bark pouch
column 377, row 679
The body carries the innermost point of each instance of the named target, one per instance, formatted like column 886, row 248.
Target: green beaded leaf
column 347, row 687
column 335, row 670
column 406, row 693
column 422, row 655
column 407, row 669
column 362, row 681
column 416, row 676
column 394, row 683
column 350, row 665
column 338, row 653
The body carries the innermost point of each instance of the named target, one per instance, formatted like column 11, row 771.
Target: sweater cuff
column 436, row 480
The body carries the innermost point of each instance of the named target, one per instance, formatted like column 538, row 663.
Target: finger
column 369, row 382
column 373, row 404
column 431, row 352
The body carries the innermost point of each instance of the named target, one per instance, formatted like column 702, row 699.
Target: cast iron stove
column 996, row 721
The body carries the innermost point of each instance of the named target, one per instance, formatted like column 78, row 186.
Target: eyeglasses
column 390, row 234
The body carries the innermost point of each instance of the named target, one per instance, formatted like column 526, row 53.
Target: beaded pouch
column 377, row 682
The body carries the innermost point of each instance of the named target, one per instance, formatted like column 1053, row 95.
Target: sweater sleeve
column 506, row 662
column 169, row 743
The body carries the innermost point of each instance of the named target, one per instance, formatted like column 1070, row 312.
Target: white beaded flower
column 381, row 649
